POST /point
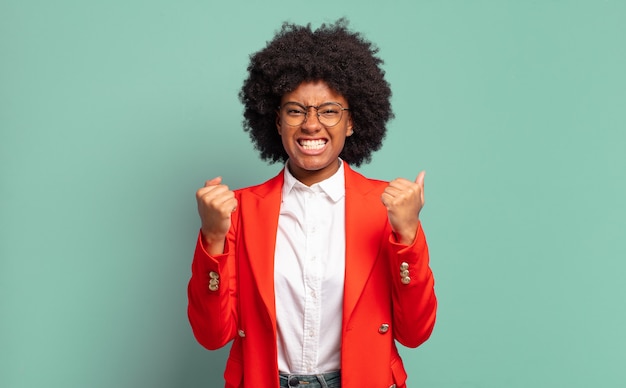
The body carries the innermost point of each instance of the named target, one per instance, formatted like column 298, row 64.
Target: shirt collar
column 333, row 186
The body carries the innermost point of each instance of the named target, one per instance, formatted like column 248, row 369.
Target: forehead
column 313, row 93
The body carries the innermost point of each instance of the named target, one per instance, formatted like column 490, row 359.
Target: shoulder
column 359, row 182
column 265, row 188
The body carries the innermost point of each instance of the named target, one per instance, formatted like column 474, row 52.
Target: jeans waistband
column 322, row 380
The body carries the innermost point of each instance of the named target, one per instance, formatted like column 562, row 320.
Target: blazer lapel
column 362, row 237
column 262, row 207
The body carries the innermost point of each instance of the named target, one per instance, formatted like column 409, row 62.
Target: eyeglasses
column 329, row 113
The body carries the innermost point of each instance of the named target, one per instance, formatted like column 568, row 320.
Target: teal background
column 113, row 113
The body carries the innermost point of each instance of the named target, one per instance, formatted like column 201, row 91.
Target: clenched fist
column 404, row 201
column 216, row 202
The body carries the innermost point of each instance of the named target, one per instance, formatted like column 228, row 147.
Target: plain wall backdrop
column 112, row 114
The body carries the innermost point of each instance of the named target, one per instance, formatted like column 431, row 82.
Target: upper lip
column 310, row 139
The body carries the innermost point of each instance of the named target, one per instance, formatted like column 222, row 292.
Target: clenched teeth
column 312, row 144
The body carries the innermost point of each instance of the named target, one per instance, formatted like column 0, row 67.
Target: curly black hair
column 343, row 59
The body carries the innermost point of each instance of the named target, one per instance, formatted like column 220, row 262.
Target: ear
column 278, row 125
column 350, row 129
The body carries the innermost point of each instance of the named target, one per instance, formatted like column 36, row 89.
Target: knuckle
column 200, row 192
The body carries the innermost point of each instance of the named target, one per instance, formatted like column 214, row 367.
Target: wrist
column 406, row 236
column 213, row 244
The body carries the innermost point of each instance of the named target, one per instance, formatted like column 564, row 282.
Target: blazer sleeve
column 212, row 293
column 413, row 293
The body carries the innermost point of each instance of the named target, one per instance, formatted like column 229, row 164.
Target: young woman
column 316, row 273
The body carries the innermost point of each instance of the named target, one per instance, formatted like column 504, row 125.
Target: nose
column 311, row 121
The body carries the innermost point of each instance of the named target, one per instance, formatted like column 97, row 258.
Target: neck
column 311, row 177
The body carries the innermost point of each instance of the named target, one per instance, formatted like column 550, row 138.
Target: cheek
column 284, row 140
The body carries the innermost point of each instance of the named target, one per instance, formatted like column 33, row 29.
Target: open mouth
column 316, row 144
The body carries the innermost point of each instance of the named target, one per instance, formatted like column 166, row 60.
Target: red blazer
column 378, row 306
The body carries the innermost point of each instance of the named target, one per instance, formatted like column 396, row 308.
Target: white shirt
column 309, row 268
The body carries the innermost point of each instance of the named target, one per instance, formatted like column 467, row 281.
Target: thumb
column 213, row 182
column 420, row 178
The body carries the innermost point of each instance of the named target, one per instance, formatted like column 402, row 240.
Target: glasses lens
column 329, row 114
column 294, row 114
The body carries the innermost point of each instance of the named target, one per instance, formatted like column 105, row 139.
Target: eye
column 294, row 110
column 329, row 110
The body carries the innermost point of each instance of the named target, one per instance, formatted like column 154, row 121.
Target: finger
column 234, row 204
column 420, row 179
column 212, row 182
column 386, row 198
column 224, row 204
column 403, row 186
column 211, row 191
column 392, row 192
column 227, row 207
column 221, row 201
column 420, row 182
column 397, row 187
column 400, row 183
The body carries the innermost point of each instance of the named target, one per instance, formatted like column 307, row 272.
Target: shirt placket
column 312, row 281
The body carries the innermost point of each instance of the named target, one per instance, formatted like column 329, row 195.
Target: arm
column 212, row 290
column 413, row 294
column 414, row 301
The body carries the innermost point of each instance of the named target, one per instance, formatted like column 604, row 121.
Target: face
column 313, row 148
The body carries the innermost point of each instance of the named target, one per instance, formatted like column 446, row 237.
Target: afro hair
column 343, row 59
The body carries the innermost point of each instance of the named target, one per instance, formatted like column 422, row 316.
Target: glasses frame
column 307, row 108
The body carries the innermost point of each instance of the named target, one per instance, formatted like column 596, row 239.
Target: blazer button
column 213, row 287
column 404, row 266
column 214, row 275
column 241, row 333
column 383, row 328
column 405, row 280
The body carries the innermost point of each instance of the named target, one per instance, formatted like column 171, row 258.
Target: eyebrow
column 323, row 103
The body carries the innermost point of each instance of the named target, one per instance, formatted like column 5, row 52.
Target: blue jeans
column 325, row 380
